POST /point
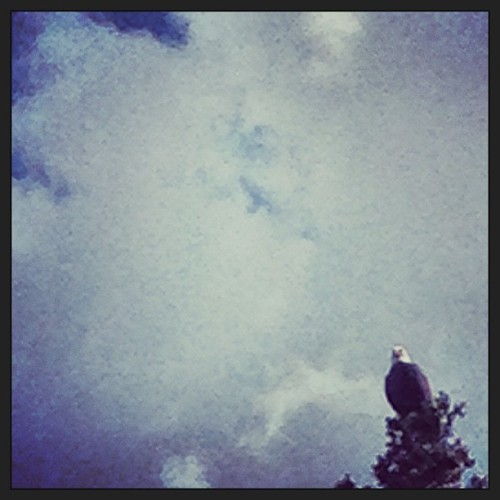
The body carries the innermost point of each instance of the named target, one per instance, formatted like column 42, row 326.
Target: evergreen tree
column 423, row 451
column 346, row 483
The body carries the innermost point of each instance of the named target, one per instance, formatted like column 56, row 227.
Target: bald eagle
column 406, row 387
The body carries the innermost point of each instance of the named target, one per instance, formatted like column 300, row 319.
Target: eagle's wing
column 407, row 387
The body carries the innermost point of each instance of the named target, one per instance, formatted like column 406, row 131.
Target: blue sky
column 221, row 224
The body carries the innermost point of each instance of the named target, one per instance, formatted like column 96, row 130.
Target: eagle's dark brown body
column 407, row 388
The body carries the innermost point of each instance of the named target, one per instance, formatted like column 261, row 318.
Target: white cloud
column 305, row 384
column 333, row 27
column 184, row 472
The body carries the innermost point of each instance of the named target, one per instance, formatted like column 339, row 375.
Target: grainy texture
column 222, row 222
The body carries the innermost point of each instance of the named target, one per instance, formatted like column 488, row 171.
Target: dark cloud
column 30, row 72
column 169, row 28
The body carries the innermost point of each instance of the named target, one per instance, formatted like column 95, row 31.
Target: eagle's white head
column 399, row 353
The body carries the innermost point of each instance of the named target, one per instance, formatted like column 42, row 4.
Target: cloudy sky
column 222, row 222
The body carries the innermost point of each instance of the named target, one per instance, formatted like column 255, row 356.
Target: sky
column 221, row 224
